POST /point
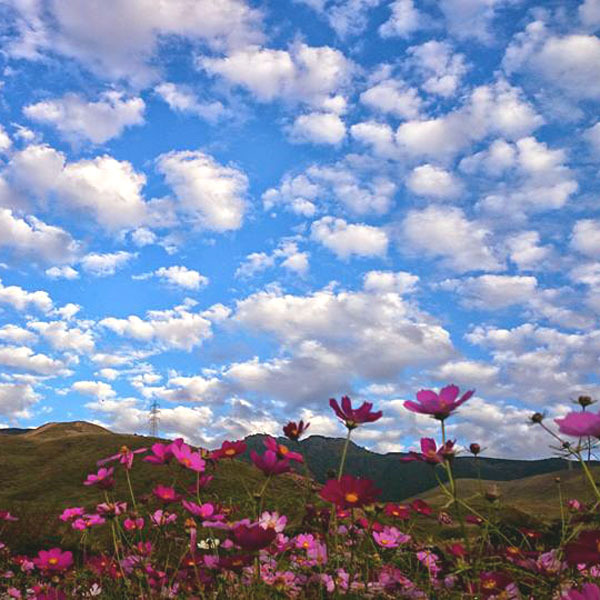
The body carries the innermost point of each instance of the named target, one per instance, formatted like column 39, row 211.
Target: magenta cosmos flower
column 229, row 450
column 439, row 406
column 269, row 463
column 430, row 453
column 53, row 560
column 589, row 591
column 166, row 493
column 281, row 450
column 162, row 453
column 104, row 478
column 124, row 456
column 188, row 458
column 293, row 431
column 349, row 492
column 353, row 417
column 580, row 424
column 253, row 537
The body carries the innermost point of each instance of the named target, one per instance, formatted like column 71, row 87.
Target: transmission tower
column 153, row 419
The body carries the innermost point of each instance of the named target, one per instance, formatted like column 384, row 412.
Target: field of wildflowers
column 177, row 541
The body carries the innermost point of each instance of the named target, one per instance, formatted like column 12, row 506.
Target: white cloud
column 177, row 328
column 318, row 128
column 123, row 40
column 586, row 237
column 471, row 18
column 446, row 232
column 63, row 338
column 22, row 299
column 434, row 182
column 24, row 358
column 394, row 97
column 64, row 272
column 212, row 194
column 592, row 136
column 32, row 237
column 468, row 373
column 98, row 122
column 97, row 389
column 526, row 252
column 569, row 63
column 16, row 399
column 589, row 13
column 399, row 282
column 103, row 265
column 181, row 99
column 180, row 276
column 286, row 253
column 347, row 239
column 315, row 76
column 109, row 188
column 404, row 20
column 345, row 17
column 17, row 335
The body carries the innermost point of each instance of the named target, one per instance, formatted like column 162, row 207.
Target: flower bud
column 475, row 449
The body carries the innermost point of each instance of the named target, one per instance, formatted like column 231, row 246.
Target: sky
column 241, row 208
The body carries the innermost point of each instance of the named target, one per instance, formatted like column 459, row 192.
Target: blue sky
column 242, row 208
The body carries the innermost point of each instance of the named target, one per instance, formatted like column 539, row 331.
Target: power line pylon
column 154, row 419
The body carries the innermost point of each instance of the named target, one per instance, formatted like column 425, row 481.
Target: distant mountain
column 399, row 480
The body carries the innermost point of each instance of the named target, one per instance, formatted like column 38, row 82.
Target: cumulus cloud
column 348, row 239
column 180, row 276
column 22, row 299
column 472, row 18
column 526, row 252
column 98, row 122
column 64, row 272
column 404, row 20
column 213, row 195
column 16, row 400
column 104, row 265
column 25, row 359
column 181, row 99
column 345, row 17
column 287, row 255
column 399, row 282
column 586, row 237
column 123, row 40
column 62, row 337
column 109, row 188
column 433, row 182
column 446, row 232
column 318, row 128
column 394, row 97
column 315, row 76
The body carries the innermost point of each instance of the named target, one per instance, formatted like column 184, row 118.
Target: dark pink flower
column 6, row 516
column 585, row 549
column 589, row 591
column 124, row 456
column 353, row 417
column 293, row 431
column 282, row 451
column 166, row 493
column 229, row 450
column 188, row 458
column 580, row 424
column 104, row 478
column 269, row 463
column 421, row 507
column 162, row 453
column 439, row 406
column 53, row 560
column 133, row 524
column 430, row 453
column 349, row 491
column 70, row 513
column 253, row 537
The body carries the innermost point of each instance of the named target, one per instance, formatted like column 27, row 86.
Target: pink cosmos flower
column 293, row 431
column 188, row 458
column 253, row 537
column 273, row 521
column 349, row 491
column 229, row 450
column 399, row 511
column 305, row 541
column 281, row 450
column 70, row 513
column 439, row 406
column 390, row 537
column 589, row 591
column 6, row 516
column 133, row 524
column 87, row 522
column 166, row 493
column 104, row 478
column 353, row 417
column 160, row 518
column 430, row 453
column 162, row 453
column 124, row 456
column 269, row 464
column 580, row 424
column 53, row 560
column 205, row 511
column 111, row 508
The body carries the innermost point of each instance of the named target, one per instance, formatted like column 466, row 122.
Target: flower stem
column 344, row 453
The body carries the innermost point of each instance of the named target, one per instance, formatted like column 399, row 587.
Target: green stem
column 130, row 489
column 344, row 452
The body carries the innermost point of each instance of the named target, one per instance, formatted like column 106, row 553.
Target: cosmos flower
column 585, row 549
column 253, row 537
column 390, row 537
column 53, row 560
column 349, row 491
column 282, row 451
column 492, row 583
column 399, row 511
column 269, row 463
column 439, row 406
column 589, row 591
column 103, row 479
column 162, row 453
column 70, row 513
column 430, row 453
column 580, row 424
column 229, row 450
column 353, row 417
column 133, row 524
column 273, row 521
column 166, row 493
column 188, row 458
column 293, row 431
column 124, row 456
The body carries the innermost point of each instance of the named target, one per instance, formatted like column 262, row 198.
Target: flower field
column 337, row 540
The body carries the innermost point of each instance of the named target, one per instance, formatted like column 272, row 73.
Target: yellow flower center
column 53, row 561
column 124, row 450
column 230, row 451
column 351, row 497
column 187, row 462
column 283, row 450
column 488, row 584
column 384, row 542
